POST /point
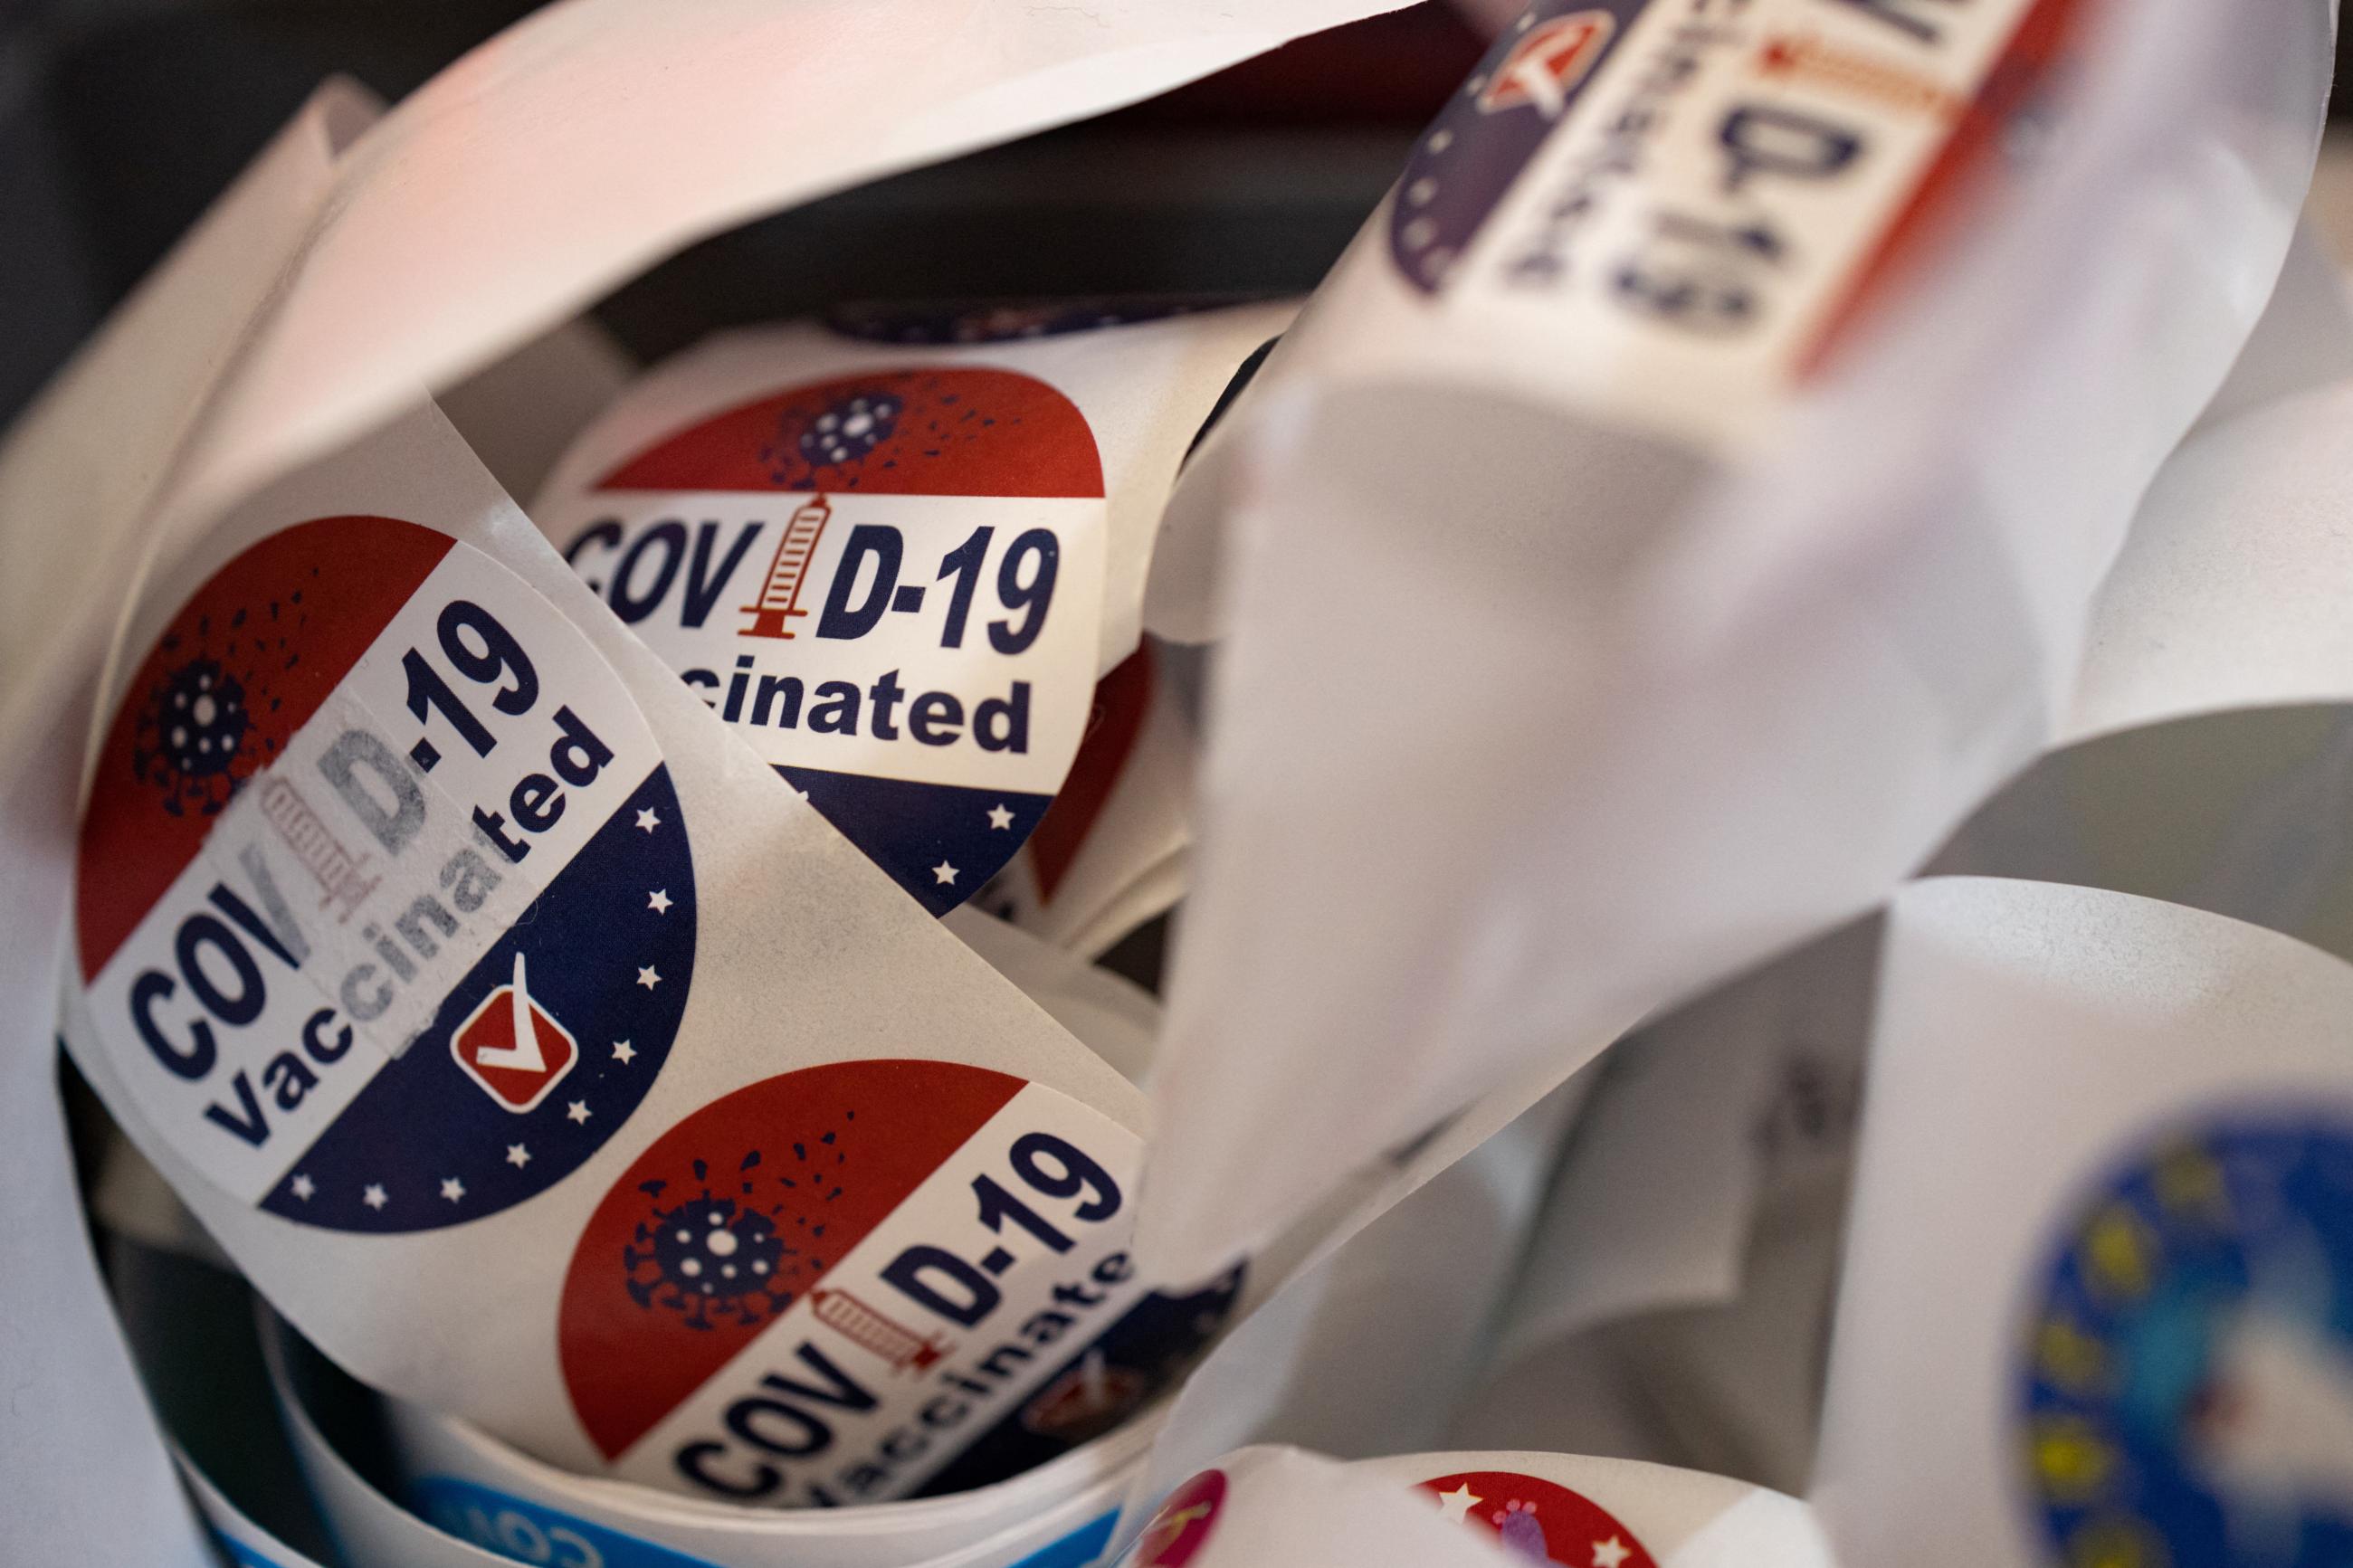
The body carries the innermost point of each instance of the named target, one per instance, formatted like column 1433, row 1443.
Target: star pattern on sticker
column 1000, row 816
column 1457, row 1504
column 374, row 1196
column 518, row 1156
column 303, row 1186
column 452, row 1188
column 944, row 874
column 577, row 1112
column 659, row 900
column 624, row 1052
column 1610, row 1553
column 648, row 977
column 648, row 819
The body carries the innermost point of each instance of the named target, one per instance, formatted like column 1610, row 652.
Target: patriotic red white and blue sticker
column 833, row 1286
column 1539, row 1520
column 385, row 907
column 890, row 584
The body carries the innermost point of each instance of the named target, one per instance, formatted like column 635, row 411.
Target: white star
column 518, row 1156
column 1457, row 1504
column 648, row 819
column 944, row 874
column 1000, row 816
column 647, row 978
column 624, row 1053
column 577, row 1111
column 802, row 793
column 303, row 1187
column 1611, row 1553
column 659, row 900
column 374, row 1196
column 452, row 1188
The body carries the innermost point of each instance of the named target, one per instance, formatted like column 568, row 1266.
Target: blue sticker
column 2187, row 1387
column 528, row 1533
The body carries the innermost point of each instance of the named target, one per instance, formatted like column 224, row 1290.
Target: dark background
column 120, row 120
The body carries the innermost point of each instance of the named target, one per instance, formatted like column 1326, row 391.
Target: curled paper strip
column 463, row 1514
column 1692, row 678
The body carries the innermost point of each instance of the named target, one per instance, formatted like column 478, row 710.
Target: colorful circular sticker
column 1182, row 1526
column 1538, row 1519
column 890, row 584
column 823, row 1287
column 2187, row 1393
column 384, row 904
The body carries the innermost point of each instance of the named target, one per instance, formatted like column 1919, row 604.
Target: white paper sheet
column 1552, row 724
column 2205, row 756
column 2098, row 1295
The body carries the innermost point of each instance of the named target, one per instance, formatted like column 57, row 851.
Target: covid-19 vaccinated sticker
column 889, row 583
column 386, row 909
column 846, row 1283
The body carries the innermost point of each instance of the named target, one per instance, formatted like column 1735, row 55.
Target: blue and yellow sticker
column 2187, row 1385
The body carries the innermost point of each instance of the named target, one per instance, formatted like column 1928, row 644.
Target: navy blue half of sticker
column 939, row 842
column 1488, row 132
column 1116, row 1375
column 609, row 946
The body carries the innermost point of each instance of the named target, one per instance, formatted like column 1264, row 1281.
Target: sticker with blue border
column 2186, row 1395
column 532, row 1532
column 889, row 583
column 385, row 911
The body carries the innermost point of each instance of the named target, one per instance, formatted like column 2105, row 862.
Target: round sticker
column 1182, row 1526
column 384, row 904
column 2188, row 1391
column 824, row 1286
column 888, row 584
column 1539, row 1518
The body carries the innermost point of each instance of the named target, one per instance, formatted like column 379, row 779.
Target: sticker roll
column 445, row 1466
column 475, row 1504
column 420, row 947
column 896, row 552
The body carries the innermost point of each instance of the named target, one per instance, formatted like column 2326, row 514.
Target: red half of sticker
column 1539, row 1520
column 243, row 665
column 931, row 431
column 739, row 1211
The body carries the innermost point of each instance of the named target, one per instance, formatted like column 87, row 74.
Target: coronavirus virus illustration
column 840, row 436
column 850, row 429
column 713, row 1258
column 707, row 1257
column 200, row 733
